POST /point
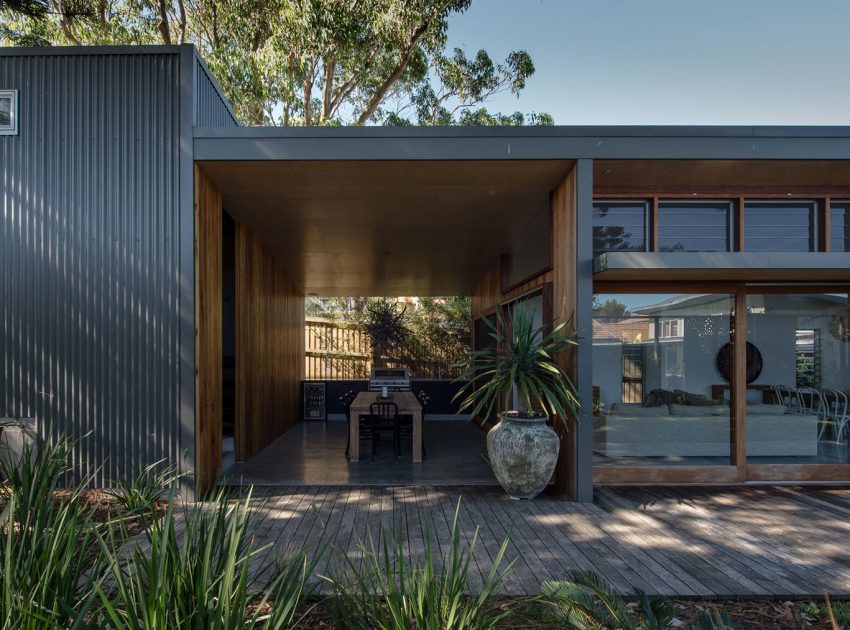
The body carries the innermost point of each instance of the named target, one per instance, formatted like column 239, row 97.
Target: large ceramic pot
column 523, row 452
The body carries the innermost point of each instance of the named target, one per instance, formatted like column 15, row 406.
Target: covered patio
column 293, row 229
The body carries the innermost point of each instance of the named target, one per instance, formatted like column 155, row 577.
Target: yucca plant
column 383, row 589
column 587, row 601
column 199, row 568
column 47, row 563
column 520, row 364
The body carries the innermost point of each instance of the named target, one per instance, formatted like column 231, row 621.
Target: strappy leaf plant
column 520, row 363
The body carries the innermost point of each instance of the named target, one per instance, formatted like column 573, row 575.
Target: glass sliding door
column 797, row 403
column 661, row 370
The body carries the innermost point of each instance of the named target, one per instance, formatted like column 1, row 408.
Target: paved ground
column 313, row 453
column 751, row 542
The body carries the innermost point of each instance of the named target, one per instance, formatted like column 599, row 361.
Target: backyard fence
column 338, row 350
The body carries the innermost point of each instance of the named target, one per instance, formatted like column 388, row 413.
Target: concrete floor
column 313, row 453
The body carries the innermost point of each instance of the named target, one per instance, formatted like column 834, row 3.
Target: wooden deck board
column 752, row 541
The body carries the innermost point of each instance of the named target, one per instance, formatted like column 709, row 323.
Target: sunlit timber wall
column 564, row 297
column 269, row 346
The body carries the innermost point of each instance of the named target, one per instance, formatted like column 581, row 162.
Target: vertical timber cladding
column 563, row 310
column 564, row 279
column 208, row 332
column 269, row 346
column 90, row 244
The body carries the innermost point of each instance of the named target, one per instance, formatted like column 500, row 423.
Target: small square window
column 8, row 112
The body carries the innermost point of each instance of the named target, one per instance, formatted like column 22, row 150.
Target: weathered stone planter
column 523, row 452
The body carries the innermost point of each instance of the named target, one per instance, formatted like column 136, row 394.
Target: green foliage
column 199, row 568
column 841, row 613
column 609, row 308
column 35, row 9
column 383, row 322
column 521, row 363
column 46, row 568
column 430, row 335
column 586, row 600
column 301, row 62
column 142, row 492
column 384, row 590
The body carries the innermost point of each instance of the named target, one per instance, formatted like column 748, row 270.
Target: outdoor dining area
column 388, row 410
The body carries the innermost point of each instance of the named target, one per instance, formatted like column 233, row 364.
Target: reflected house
column 157, row 255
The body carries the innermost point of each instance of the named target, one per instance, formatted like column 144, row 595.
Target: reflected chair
column 810, row 402
column 383, row 418
column 836, row 410
column 785, row 395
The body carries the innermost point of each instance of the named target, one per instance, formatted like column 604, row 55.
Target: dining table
column 407, row 405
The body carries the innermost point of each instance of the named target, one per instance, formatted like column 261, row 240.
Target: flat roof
column 522, row 143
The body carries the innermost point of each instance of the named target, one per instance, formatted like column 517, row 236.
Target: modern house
column 144, row 230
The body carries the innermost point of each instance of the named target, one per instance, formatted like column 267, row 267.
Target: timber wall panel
column 487, row 296
column 269, row 346
column 563, row 307
column 208, row 332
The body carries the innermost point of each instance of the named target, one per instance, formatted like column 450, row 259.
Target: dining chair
column 383, row 418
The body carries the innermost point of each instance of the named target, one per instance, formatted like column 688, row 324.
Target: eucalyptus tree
column 303, row 62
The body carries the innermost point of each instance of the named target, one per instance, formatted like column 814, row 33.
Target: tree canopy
column 303, row 62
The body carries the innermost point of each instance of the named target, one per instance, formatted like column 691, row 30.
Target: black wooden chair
column 384, row 418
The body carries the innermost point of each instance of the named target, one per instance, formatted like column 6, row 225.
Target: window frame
column 814, row 204
column 731, row 235
column 647, row 223
column 12, row 128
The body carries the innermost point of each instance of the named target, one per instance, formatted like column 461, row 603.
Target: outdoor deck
column 742, row 542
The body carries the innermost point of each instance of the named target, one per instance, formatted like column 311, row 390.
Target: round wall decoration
column 755, row 364
column 839, row 326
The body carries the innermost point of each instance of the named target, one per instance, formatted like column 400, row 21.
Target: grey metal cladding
column 89, row 250
column 211, row 106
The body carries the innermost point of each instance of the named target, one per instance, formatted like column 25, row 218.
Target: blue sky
column 671, row 62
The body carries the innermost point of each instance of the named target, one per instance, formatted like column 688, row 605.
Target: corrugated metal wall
column 89, row 255
column 211, row 108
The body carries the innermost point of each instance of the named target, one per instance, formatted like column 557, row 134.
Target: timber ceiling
column 344, row 228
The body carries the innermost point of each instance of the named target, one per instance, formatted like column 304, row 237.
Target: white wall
column 776, row 338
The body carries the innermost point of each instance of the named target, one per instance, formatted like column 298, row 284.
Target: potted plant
column 520, row 369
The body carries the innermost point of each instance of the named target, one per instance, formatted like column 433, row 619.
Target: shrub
column 194, row 570
column 383, row 589
column 586, row 600
column 47, row 567
column 140, row 494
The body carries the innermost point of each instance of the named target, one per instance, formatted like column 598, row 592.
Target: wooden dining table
column 362, row 406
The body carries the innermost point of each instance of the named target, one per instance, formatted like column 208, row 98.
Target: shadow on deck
column 743, row 542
